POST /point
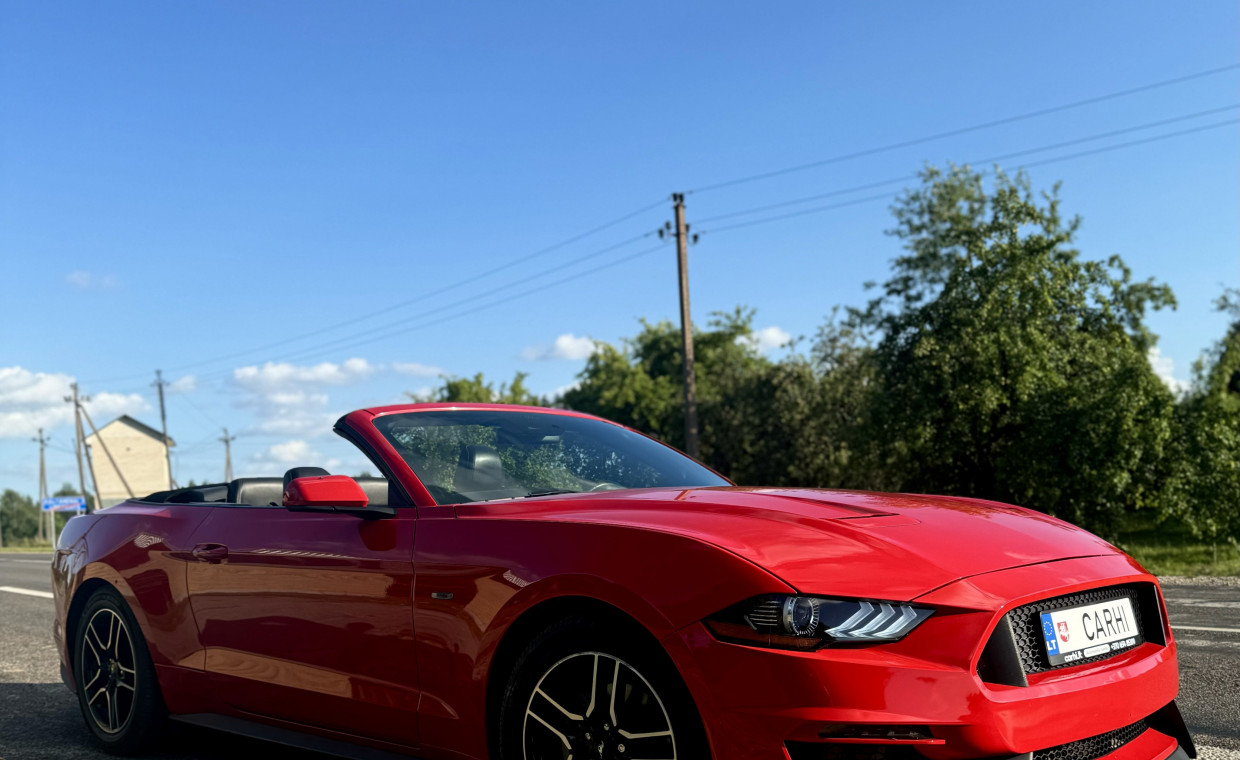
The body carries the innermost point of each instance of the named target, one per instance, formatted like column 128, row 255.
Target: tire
column 558, row 701
column 117, row 690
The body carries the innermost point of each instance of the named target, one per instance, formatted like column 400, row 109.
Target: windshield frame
column 381, row 419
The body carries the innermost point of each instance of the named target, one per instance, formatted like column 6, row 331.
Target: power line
column 523, row 294
column 360, row 338
column 437, row 291
column 183, row 450
column 990, row 159
column 1131, row 143
column 211, row 421
column 966, row 130
column 1056, row 159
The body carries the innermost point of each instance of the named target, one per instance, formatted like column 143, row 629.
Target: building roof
column 139, row 426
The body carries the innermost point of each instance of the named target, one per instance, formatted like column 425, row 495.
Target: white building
column 140, row 455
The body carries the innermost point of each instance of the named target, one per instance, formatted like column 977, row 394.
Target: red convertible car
column 537, row 584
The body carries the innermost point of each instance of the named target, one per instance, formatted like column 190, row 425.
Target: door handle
column 210, row 552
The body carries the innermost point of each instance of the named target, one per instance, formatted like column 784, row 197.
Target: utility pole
column 160, row 383
column 686, row 326
column 228, row 439
column 90, row 465
column 80, row 442
column 44, row 532
column 115, row 467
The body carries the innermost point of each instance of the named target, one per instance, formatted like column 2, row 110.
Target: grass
column 28, row 549
column 1171, row 549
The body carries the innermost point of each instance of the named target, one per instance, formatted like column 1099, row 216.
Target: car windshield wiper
column 550, row 492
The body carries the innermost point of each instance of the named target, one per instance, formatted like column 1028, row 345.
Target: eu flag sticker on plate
column 1048, row 631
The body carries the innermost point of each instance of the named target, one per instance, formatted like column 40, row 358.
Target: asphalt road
column 39, row 718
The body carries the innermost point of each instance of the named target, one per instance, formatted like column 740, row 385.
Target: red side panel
column 141, row 550
column 495, row 570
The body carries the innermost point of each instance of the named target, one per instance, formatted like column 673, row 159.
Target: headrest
column 303, row 472
column 376, row 490
column 479, row 469
column 481, row 458
column 260, row 492
column 205, row 494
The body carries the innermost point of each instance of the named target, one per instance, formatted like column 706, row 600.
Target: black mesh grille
column 1095, row 746
column 1027, row 625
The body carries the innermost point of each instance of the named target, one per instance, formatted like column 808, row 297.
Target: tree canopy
column 996, row 361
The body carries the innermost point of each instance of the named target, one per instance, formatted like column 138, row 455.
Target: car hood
column 847, row 543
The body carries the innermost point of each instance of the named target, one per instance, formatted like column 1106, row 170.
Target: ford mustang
column 537, row 584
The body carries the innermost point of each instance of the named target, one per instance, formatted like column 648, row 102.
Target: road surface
column 39, row 718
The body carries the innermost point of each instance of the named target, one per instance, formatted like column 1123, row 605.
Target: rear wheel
column 116, row 685
column 583, row 691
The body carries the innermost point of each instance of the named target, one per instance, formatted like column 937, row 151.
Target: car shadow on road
column 41, row 721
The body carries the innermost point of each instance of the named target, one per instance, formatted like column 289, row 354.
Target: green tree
column 1207, row 482
column 19, row 517
column 1009, row 367
column 641, row 385
column 476, row 390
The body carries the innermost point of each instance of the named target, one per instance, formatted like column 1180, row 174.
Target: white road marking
column 27, row 592
column 32, row 561
column 1203, row 628
column 1194, row 602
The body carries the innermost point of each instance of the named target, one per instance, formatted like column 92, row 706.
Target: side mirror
column 331, row 493
column 324, row 491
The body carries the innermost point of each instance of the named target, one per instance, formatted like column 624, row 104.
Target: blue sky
column 210, row 188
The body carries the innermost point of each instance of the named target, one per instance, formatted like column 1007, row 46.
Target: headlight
column 808, row 622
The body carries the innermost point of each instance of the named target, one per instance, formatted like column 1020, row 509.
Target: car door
column 307, row 617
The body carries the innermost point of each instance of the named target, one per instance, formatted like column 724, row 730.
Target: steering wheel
column 607, row 485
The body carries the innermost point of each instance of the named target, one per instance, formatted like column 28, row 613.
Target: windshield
column 481, row 455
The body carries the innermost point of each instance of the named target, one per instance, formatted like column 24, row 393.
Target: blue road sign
column 64, row 504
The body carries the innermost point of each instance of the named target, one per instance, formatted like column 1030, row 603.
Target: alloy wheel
column 594, row 706
column 109, row 672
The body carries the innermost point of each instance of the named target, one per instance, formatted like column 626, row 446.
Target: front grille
column 1016, row 647
column 1095, row 746
column 1027, row 624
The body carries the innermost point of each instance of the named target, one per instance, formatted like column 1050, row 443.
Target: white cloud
column 273, row 376
column 288, row 398
column 566, row 346
column 280, row 458
column 1164, row 367
column 290, row 451
column 417, row 370
column 419, row 395
column 184, row 384
column 766, row 340
column 556, row 393
column 33, row 400
column 83, row 280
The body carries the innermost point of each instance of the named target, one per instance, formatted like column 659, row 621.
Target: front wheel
column 116, row 685
column 580, row 691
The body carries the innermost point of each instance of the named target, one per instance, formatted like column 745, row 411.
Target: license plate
column 1078, row 633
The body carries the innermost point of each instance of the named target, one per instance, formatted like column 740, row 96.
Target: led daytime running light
column 807, row 622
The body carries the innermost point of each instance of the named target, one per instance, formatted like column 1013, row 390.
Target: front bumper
column 756, row 702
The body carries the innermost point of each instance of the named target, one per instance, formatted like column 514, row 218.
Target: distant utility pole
column 80, row 442
column 90, row 467
column 228, row 439
column 44, row 532
column 681, row 233
column 160, row 383
column 115, row 466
